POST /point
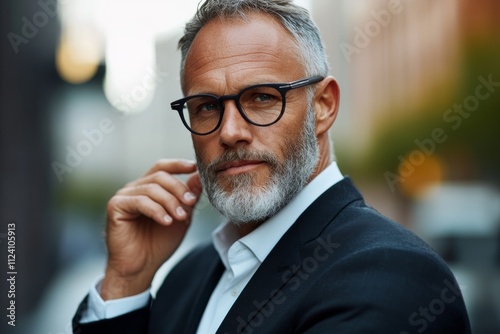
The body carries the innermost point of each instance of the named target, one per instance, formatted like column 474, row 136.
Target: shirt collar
column 263, row 239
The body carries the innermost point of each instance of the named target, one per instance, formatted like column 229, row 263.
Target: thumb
column 194, row 184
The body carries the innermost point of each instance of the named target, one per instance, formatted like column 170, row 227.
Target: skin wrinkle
column 224, row 90
column 222, row 55
column 234, row 60
column 242, row 65
column 245, row 77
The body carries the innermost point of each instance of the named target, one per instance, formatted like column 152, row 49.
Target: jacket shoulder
column 378, row 276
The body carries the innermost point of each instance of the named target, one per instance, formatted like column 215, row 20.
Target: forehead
column 237, row 51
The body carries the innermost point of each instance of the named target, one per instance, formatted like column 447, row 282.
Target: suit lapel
column 267, row 284
column 182, row 298
column 270, row 284
column 204, row 292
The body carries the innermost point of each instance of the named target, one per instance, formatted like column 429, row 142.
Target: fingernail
column 180, row 212
column 189, row 197
column 168, row 219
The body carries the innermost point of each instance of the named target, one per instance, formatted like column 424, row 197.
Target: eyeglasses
column 260, row 105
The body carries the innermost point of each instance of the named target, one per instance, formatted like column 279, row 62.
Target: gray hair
column 294, row 18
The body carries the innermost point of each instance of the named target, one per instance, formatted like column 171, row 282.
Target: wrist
column 116, row 286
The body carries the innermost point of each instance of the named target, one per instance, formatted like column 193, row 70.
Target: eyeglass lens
column 261, row 105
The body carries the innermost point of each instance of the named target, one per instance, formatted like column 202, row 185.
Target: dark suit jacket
column 341, row 268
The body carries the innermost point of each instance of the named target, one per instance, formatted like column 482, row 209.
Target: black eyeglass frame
column 282, row 88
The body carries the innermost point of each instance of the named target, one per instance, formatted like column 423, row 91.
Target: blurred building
column 388, row 55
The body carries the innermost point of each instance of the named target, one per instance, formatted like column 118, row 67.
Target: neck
column 325, row 158
column 247, row 228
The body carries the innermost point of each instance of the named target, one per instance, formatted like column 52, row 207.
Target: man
column 300, row 251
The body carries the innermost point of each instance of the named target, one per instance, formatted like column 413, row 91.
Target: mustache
column 242, row 154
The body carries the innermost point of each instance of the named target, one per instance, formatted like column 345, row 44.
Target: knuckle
column 142, row 200
column 152, row 188
column 114, row 207
column 113, row 202
column 169, row 201
column 124, row 190
column 160, row 176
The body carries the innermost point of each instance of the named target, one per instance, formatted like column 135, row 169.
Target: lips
column 238, row 167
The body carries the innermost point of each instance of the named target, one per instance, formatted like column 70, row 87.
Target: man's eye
column 208, row 107
column 202, row 105
column 263, row 98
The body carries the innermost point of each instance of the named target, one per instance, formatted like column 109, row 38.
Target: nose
column 234, row 129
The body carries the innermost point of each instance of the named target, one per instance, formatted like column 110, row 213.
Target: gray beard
column 248, row 204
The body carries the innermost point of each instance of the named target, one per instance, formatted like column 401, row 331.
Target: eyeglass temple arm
column 175, row 105
column 304, row 82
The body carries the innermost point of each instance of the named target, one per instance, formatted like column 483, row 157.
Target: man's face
column 227, row 56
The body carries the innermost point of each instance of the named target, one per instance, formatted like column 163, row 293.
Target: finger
column 166, row 199
column 130, row 207
column 173, row 166
column 170, row 183
column 194, row 184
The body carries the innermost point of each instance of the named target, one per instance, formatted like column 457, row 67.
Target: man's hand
column 146, row 222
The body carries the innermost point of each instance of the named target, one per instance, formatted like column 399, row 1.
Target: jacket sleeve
column 135, row 322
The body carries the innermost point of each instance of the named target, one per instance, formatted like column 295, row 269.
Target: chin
column 250, row 181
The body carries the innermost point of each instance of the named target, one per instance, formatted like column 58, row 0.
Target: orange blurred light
column 77, row 57
column 419, row 171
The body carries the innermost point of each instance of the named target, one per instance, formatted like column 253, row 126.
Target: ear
column 326, row 104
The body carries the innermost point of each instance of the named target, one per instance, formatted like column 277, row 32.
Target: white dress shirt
column 240, row 256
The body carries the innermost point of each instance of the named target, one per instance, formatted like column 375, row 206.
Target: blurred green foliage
column 90, row 196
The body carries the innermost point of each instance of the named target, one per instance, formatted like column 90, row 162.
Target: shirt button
column 234, row 293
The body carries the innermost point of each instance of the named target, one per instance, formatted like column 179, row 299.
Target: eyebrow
column 240, row 88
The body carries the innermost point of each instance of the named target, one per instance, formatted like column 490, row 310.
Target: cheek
column 204, row 149
column 200, row 153
column 289, row 129
column 276, row 140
